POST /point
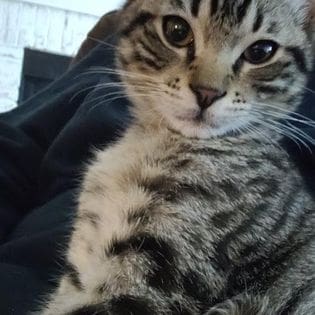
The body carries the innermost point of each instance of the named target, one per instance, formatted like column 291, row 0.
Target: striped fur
column 181, row 215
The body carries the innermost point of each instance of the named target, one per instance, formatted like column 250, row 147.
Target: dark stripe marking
column 191, row 53
column 196, row 288
column 218, row 153
column 242, row 10
column 140, row 215
column 180, row 164
column 149, row 62
column 91, row 218
column 273, row 28
column 171, row 190
column 231, row 189
column 271, row 72
column 195, row 6
column 268, row 89
column 140, row 20
column 226, row 9
column 163, row 273
column 238, row 66
column 299, row 57
column 297, row 297
column 90, row 310
column 163, row 186
column 222, row 257
column 153, row 37
column 150, row 50
column 221, row 220
column 214, row 7
column 259, row 272
column 178, row 309
column 178, row 4
column 128, row 304
column 73, row 275
column 258, row 22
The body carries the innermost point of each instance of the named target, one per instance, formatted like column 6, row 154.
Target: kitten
column 196, row 209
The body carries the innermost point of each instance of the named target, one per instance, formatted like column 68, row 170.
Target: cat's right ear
column 128, row 3
column 128, row 12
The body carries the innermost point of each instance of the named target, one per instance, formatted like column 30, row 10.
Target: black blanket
column 44, row 144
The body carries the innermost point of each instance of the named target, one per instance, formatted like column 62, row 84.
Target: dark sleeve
column 303, row 156
column 44, row 141
column 43, row 145
column 19, row 160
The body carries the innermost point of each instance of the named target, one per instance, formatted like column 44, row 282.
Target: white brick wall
column 26, row 24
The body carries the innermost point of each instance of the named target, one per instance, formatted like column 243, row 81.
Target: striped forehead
column 231, row 12
column 228, row 8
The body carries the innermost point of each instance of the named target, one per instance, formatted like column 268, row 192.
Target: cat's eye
column 177, row 31
column 260, row 52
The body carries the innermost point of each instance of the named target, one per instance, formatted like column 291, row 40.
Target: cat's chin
column 192, row 128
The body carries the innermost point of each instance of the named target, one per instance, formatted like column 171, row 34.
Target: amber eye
column 177, row 31
column 260, row 52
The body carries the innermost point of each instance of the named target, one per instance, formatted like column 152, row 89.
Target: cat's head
column 210, row 67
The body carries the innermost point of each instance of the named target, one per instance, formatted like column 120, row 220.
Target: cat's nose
column 206, row 96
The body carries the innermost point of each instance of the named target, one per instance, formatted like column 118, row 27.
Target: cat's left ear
column 311, row 19
column 304, row 10
column 310, row 5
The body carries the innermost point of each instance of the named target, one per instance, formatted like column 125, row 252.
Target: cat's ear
column 304, row 10
column 312, row 11
column 311, row 19
column 128, row 12
column 131, row 3
column 128, row 3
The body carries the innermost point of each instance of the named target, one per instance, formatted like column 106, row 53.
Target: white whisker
column 296, row 131
column 308, row 90
column 282, row 116
column 260, row 134
column 285, row 131
column 115, row 93
column 288, row 112
column 113, row 47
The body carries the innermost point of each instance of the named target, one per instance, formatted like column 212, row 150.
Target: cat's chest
column 227, row 168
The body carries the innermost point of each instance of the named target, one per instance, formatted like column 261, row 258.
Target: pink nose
column 206, row 96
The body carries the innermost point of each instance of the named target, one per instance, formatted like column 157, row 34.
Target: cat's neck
column 161, row 133
column 151, row 124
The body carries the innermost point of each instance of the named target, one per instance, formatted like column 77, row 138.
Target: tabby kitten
column 196, row 209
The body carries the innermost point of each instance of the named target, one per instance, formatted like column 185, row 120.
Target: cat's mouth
column 197, row 119
column 207, row 125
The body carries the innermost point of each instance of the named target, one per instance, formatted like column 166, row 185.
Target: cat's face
column 208, row 68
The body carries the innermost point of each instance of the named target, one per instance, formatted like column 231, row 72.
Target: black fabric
column 44, row 145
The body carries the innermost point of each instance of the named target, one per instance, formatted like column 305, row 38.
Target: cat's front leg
column 108, row 261
column 78, row 286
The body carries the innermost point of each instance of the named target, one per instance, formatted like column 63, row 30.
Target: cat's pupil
column 260, row 52
column 177, row 31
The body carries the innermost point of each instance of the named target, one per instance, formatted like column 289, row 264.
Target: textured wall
column 39, row 27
